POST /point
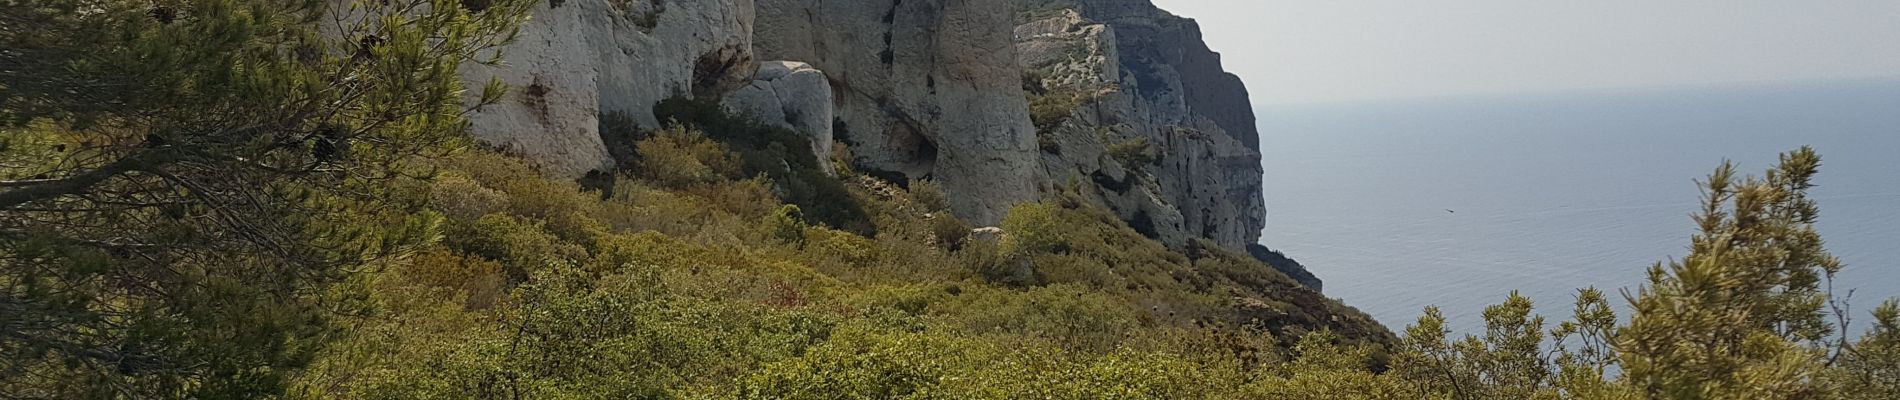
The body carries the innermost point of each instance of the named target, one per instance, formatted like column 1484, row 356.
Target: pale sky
column 1317, row 51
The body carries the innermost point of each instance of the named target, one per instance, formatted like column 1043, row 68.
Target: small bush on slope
column 777, row 153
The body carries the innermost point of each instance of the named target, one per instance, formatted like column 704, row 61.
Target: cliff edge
column 999, row 101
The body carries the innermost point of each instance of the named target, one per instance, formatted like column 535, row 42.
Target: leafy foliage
column 1049, row 109
column 651, row 293
column 1870, row 368
column 183, row 181
column 1032, row 10
column 680, row 158
column 1134, row 154
column 776, row 153
column 1744, row 316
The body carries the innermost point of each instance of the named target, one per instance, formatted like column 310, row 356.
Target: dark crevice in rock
column 894, row 177
column 889, row 56
column 841, row 132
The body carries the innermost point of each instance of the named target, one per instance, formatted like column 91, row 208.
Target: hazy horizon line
column 1596, row 91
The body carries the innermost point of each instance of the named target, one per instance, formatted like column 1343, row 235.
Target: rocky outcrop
column 1161, row 131
column 1285, row 265
column 790, row 95
column 1123, row 101
column 1172, row 68
column 1166, row 138
column 925, row 89
column 577, row 60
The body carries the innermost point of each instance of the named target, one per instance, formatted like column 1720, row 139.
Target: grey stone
column 581, row 59
column 924, row 89
column 791, row 95
column 1206, row 181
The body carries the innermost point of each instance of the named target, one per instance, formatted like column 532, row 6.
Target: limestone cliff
column 923, row 89
column 577, row 60
column 790, row 95
column 998, row 101
column 1130, row 100
column 1140, row 107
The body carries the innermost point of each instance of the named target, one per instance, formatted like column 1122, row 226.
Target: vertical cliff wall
column 1167, row 136
column 1182, row 76
column 577, row 60
column 923, row 89
column 1130, row 100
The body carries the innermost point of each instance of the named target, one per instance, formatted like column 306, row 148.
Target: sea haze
column 1457, row 202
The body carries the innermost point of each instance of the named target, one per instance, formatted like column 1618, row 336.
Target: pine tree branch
column 32, row 191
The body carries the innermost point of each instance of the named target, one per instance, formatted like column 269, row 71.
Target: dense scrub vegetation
column 182, row 182
column 1031, row 10
column 301, row 217
column 720, row 290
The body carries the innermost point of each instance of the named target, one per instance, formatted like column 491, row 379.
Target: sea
column 1458, row 202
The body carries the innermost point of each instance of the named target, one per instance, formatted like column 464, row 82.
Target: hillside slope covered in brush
column 283, row 199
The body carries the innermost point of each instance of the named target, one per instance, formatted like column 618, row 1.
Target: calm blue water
column 1556, row 192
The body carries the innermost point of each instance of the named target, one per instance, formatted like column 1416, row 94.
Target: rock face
column 1165, row 135
column 1132, row 101
column 576, row 60
column 1121, row 101
column 1175, row 70
column 925, row 89
column 791, row 95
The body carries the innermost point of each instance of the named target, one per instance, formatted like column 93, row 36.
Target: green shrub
column 1032, row 10
column 621, row 136
column 1047, row 111
column 1135, row 154
column 1868, row 371
column 529, row 193
column 928, row 195
column 787, row 225
column 680, row 158
column 779, row 154
column 1034, row 227
column 480, row 281
column 949, row 231
column 1076, row 317
column 856, row 364
column 521, row 246
column 461, row 198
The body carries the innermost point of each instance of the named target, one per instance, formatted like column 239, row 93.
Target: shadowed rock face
column 578, row 59
column 1167, row 53
column 790, row 95
column 1143, row 76
column 1212, row 170
column 923, row 89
